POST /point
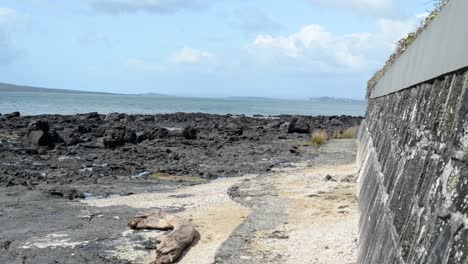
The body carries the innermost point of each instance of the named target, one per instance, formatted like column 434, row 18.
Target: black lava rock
column 189, row 132
column 298, row 125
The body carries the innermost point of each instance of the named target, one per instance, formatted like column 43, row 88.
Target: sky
column 204, row 48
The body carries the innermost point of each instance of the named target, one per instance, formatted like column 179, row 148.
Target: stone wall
column 413, row 159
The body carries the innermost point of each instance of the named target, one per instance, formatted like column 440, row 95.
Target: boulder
column 146, row 119
column 66, row 192
column 159, row 133
column 130, row 136
column 298, row 125
column 114, row 117
column 12, row 115
column 189, row 133
column 232, row 129
column 113, row 139
column 39, row 125
column 54, row 136
column 284, row 126
column 92, row 115
column 38, row 138
column 274, row 125
column 73, row 140
column 337, row 122
column 111, row 142
column 141, row 136
column 84, row 129
column 40, row 135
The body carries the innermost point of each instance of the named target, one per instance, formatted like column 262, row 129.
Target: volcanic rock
column 189, row 132
column 298, row 125
column 12, row 115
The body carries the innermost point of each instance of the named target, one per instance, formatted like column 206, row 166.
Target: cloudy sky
column 215, row 48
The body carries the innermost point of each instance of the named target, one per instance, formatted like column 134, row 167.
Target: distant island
column 5, row 87
column 154, row 95
column 334, row 100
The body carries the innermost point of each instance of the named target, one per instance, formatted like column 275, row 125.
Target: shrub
column 319, row 138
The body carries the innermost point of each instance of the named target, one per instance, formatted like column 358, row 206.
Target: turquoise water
column 48, row 103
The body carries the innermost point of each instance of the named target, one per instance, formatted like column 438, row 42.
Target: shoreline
column 53, row 168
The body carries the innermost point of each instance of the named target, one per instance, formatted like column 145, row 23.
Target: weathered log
column 172, row 245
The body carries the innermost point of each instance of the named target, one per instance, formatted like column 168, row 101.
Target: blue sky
column 210, row 48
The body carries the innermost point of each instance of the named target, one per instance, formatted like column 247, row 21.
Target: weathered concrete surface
column 413, row 159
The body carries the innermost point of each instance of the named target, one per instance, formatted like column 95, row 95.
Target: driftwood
column 173, row 244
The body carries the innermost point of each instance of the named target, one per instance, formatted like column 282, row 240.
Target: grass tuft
column 318, row 138
column 351, row 132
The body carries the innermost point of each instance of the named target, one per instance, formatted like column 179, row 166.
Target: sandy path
column 322, row 221
column 322, row 213
column 298, row 215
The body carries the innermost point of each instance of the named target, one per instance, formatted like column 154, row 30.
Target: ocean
column 65, row 103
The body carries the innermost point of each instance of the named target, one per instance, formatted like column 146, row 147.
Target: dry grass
column 318, row 138
column 351, row 132
column 348, row 133
column 336, row 134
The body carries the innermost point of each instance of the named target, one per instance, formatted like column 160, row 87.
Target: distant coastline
column 5, row 87
column 13, row 88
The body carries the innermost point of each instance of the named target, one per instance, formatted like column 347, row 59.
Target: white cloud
column 366, row 7
column 154, row 6
column 192, row 56
column 314, row 49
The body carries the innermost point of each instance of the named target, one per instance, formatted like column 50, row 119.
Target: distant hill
column 249, row 98
column 154, row 94
column 4, row 87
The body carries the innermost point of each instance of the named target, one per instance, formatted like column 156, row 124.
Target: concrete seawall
column 413, row 159
column 414, row 175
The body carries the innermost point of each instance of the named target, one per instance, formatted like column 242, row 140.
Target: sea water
column 65, row 103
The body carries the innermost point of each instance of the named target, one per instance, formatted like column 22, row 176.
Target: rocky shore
column 47, row 161
column 94, row 148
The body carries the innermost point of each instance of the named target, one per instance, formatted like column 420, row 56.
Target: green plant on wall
column 410, row 39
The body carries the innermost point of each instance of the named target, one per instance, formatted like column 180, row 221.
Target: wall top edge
column 442, row 48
